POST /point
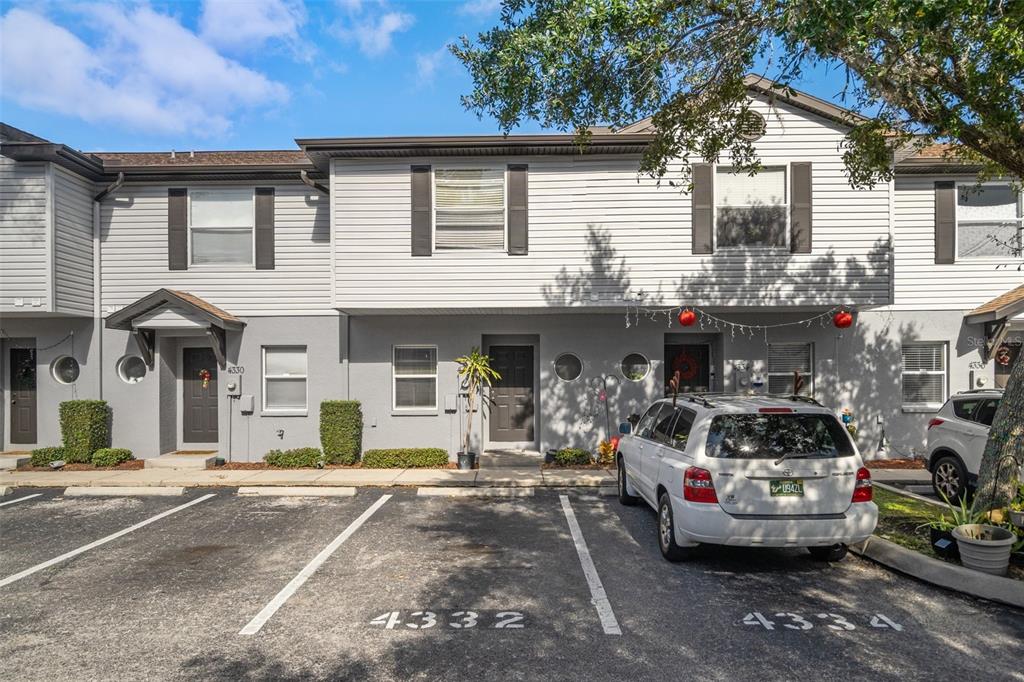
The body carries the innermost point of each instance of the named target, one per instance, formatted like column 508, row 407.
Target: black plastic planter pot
column 943, row 543
column 549, row 456
column 467, row 460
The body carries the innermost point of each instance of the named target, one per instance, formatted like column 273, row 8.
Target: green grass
column 900, row 518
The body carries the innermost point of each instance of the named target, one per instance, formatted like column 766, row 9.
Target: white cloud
column 429, row 63
column 371, row 29
column 479, row 8
column 150, row 72
column 238, row 25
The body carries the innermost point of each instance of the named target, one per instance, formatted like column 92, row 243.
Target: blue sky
column 243, row 74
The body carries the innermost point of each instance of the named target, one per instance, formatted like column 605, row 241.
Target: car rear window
column 764, row 436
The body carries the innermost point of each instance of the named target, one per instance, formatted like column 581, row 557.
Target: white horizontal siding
column 134, row 256
column 24, row 265
column 597, row 234
column 921, row 284
column 73, row 246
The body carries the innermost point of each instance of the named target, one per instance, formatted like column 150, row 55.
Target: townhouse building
column 214, row 299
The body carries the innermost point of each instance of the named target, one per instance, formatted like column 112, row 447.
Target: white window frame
column 271, row 377
column 810, row 349
column 650, row 368
column 956, row 220
column 395, row 376
column 251, row 265
column 583, row 366
column 787, row 181
column 433, row 207
column 926, row 407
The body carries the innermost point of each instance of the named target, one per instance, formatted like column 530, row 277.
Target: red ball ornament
column 687, row 318
column 842, row 319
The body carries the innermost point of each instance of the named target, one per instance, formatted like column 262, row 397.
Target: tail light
column 698, row 486
column 614, row 440
column 776, row 410
column 862, row 490
column 935, row 422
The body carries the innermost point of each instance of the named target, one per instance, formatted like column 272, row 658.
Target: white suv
column 956, row 441
column 756, row 471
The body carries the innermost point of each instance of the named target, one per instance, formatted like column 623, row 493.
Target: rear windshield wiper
column 792, row 455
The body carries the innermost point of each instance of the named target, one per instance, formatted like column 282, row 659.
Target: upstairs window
column 924, row 375
column 988, row 221
column 469, row 209
column 221, row 226
column 784, row 361
column 751, row 211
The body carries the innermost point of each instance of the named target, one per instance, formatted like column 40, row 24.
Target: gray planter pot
column 984, row 548
column 1017, row 518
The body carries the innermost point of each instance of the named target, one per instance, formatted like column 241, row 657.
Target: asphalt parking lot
column 391, row 585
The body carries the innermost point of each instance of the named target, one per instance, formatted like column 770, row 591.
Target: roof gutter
column 304, row 176
column 112, row 187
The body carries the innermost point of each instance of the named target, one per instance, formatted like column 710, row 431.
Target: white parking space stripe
column 597, row 594
column 20, row 499
column 292, row 587
column 102, row 541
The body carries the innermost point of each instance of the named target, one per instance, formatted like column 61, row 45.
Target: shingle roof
column 185, row 159
column 1005, row 305
column 204, row 305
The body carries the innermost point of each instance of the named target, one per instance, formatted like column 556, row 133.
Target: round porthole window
column 635, row 367
column 132, row 369
column 568, row 367
column 65, row 369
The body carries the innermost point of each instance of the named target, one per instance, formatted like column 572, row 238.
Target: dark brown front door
column 692, row 361
column 23, row 395
column 512, row 394
column 200, row 406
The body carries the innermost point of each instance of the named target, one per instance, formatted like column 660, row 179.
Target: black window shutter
column 702, row 202
column 421, row 213
column 177, row 228
column 800, row 232
column 264, row 228
column 945, row 222
column 518, row 210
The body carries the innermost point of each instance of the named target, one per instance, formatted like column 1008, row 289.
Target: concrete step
column 14, row 461
column 175, row 460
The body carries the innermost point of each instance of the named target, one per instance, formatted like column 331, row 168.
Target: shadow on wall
column 858, row 367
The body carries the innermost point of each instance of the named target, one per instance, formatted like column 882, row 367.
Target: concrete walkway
column 503, row 477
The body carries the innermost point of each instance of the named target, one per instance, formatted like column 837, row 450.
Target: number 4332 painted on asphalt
column 794, row 621
column 457, row 620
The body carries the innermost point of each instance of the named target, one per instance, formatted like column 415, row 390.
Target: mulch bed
column 261, row 466
column 896, row 464
column 130, row 465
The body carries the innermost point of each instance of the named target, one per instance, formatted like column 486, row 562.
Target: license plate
column 790, row 487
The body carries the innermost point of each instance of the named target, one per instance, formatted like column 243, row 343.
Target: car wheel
column 828, row 553
column 624, row 496
column 667, row 532
column 949, row 479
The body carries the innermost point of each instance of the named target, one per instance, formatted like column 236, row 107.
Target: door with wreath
column 692, row 362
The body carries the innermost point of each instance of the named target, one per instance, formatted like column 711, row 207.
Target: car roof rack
column 980, row 390
column 698, row 398
column 803, row 399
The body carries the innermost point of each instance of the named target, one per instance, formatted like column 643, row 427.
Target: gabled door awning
column 996, row 315
column 169, row 310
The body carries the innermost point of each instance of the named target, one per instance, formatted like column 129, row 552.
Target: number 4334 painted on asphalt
column 457, row 620
column 794, row 621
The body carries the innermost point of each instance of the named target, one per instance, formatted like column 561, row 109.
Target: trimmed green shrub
column 41, row 457
column 111, row 457
column 573, row 457
column 85, row 427
column 405, row 458
column 341, row 431
column 295, row 458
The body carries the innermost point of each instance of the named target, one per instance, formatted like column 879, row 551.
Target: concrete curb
column 296, row 491
column 525, row 491
column 5, row 490
column 122, row 491
column 901, row 491
column 950, row 576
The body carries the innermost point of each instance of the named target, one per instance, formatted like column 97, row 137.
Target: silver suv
column 956, row 441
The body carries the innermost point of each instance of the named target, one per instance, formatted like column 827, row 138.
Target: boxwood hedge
column 41, row 457
column 405, row 458
column 295, row 458
column 85, row 428
column 573, row 456
column 111, row 457
column 341, row 431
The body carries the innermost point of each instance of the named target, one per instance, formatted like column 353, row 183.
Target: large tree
column 924, row 70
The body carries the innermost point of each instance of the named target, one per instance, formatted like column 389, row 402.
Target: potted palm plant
column 476, row 372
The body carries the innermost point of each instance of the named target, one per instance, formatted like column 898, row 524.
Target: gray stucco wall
column 46, row 332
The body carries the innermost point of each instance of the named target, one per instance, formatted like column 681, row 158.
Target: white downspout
column 97, row 316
